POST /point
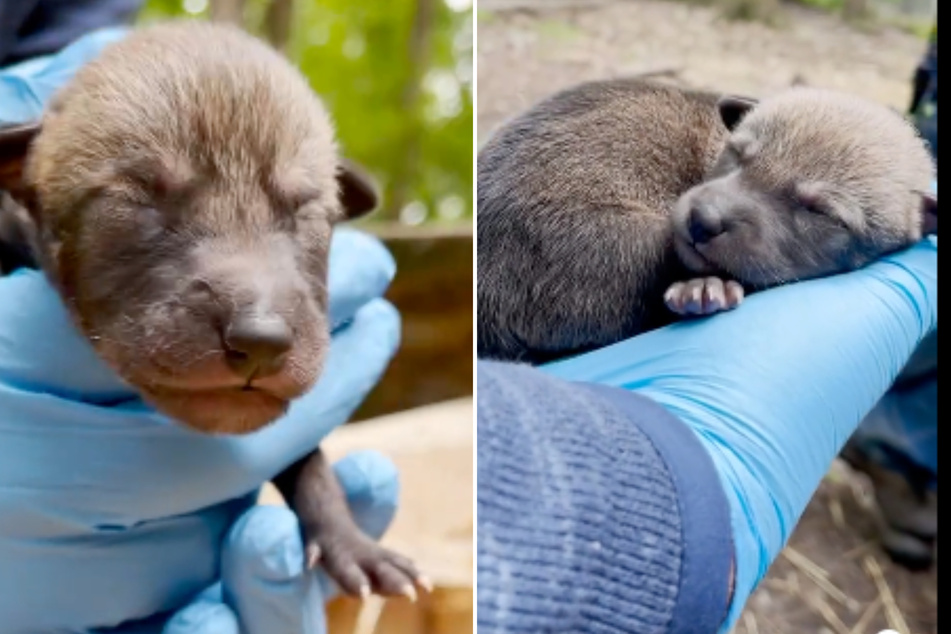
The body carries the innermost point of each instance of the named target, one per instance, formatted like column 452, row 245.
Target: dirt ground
column 524, row 55
column 832, row 578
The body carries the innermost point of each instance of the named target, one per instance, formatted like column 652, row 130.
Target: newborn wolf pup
column 183, row 189
column 614, row 207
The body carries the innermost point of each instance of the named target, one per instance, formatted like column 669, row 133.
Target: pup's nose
column 705, row 224
column 257, row 345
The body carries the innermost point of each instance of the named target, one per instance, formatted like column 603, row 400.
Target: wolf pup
column 618, row 206
column 183, row 188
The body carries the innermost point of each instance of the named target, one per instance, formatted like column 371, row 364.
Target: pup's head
column 184, row 186
column 809, row 183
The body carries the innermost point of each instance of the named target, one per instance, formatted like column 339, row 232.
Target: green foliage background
column 404, row 113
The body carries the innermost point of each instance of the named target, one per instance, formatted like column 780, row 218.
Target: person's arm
column 36, row 28
column 597, row 511
column 27, row 87
column 591, row 484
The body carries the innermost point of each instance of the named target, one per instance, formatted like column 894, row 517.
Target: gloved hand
column 775, row 388
column 109, row 511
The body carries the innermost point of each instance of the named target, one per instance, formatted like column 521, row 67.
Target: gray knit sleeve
column 597, row 511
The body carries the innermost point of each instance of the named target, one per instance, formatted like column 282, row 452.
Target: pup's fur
column 609, row 200
column 183, row 188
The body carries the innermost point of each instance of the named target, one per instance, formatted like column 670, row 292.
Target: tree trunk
column 420, row 45
column 230, row 11
column 277, row 23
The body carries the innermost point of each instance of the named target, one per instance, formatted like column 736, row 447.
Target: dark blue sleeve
column 597, row 511
column 31, row 28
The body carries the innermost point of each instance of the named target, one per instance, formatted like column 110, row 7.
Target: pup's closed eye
column 163, row 178
column 298, row 198
column 814, row 200
column 811, row 198
column 813, row 205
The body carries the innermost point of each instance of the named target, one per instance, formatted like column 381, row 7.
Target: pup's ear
column 17, row 235
column 733, row 108
column 929, row 214
column 358, row 194
column 14, row 143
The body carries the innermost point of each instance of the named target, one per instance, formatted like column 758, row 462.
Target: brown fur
column 221, row 163
column 184, row 187
column 588, row 207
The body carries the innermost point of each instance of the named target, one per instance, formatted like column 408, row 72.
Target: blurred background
column 833, row 577
column 397, row 77
column 530, row 48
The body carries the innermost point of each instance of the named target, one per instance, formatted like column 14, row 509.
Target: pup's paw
column 361, row 566
column 703, row 296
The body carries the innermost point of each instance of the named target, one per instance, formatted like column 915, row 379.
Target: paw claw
column 703, row 296
column 313, row 556
column 361, row 567
column 424, row 583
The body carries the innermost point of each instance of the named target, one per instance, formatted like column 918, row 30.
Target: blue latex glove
column 109, row 511
column 775, row 388
column 25, row 88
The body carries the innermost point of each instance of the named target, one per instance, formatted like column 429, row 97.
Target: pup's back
column 573, row 204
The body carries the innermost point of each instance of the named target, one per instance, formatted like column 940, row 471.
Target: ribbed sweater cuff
column 598, row 511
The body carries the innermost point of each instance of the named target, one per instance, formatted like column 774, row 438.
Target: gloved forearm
column 775, row 388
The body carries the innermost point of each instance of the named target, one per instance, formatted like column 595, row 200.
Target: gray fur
column 589, row 205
